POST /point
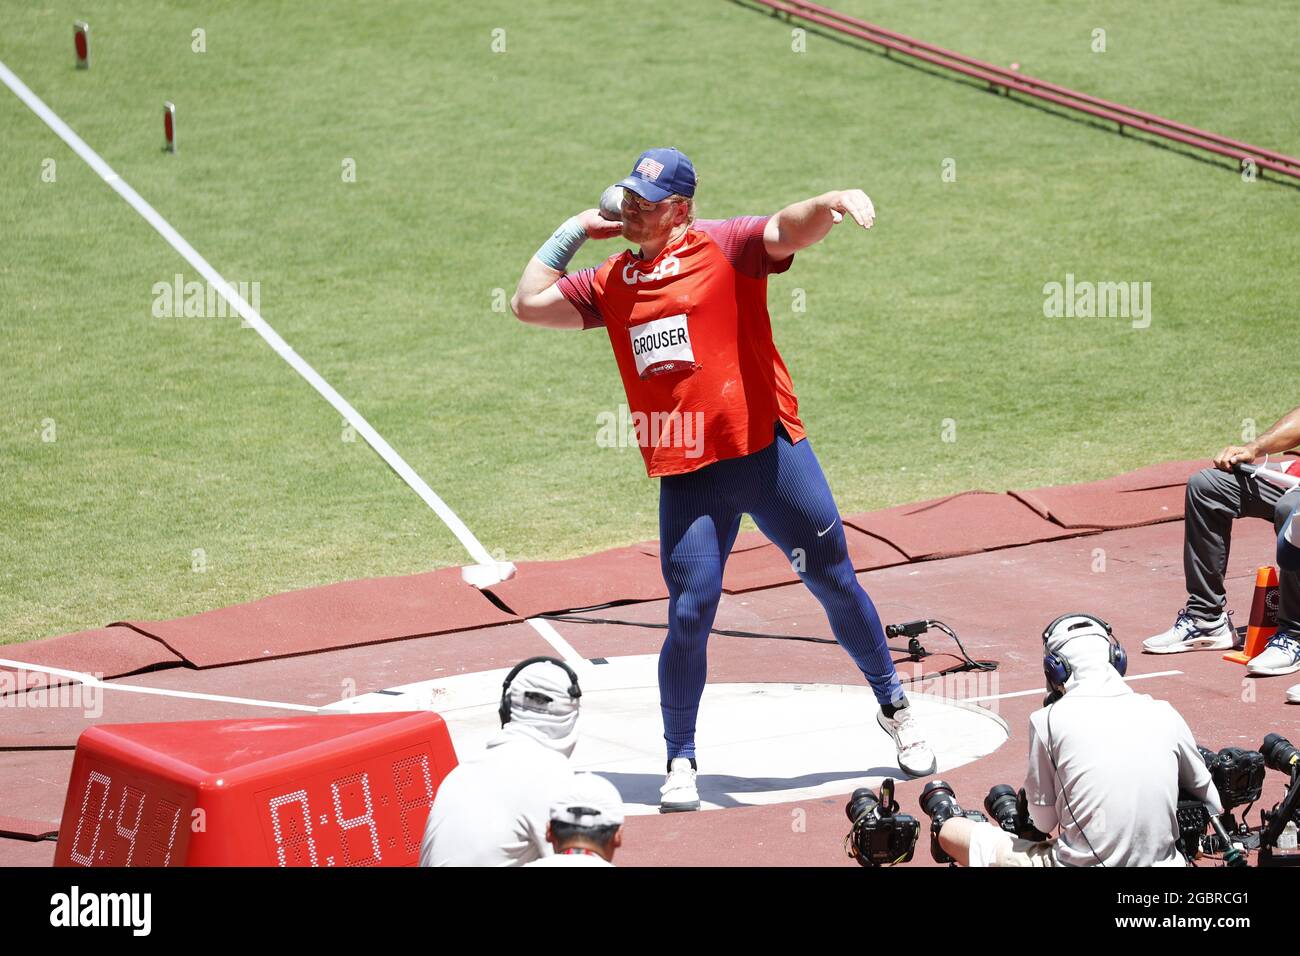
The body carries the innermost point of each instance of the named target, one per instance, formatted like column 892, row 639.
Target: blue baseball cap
column 660, row 173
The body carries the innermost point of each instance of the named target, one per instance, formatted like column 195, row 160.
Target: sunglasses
column 634, row 201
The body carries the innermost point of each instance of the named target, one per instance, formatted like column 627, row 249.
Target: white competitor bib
column 662, row 345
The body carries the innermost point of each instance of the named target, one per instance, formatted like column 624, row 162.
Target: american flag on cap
column 649, row 168
column 660, row 173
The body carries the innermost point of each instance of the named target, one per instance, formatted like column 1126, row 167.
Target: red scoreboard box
column 330, row 790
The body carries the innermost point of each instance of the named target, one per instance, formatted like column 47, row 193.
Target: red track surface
column 997, row 600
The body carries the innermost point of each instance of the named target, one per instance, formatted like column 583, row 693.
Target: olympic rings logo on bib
column 662, row 345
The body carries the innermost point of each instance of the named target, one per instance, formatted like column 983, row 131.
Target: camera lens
column 1000, row 804
column 937, row 795
column 1278, row 753
column 940, row 805
column 862, row 801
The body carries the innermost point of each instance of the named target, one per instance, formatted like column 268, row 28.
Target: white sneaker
column 1282, row 656
column 679, row 792
column 1190, row 634
column 914, row 756
column 1293, row 694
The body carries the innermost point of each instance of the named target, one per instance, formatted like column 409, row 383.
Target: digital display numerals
column 105, row 784
column 413, row 779
column 359, row 823
column 126, row 815
column 293, row 830
column 349, row 785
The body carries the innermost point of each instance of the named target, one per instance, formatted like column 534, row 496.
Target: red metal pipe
column 1053, row 87
column 997, row 76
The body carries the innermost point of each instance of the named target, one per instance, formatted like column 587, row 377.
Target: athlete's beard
column 639, row 235
column 637, row 232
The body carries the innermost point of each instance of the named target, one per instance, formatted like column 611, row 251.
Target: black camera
column 1010, row 808
column 1280, row 755
column 939, row 804
column 881, row 836
column 1239, row 778
column 1238, row 775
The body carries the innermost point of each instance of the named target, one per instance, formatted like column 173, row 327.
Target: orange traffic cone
column 1263, row 616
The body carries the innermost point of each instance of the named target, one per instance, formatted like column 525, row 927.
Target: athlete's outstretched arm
column 537, row 299
column 800, row 224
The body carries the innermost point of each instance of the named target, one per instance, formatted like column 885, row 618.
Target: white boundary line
column 93, row 681
column 1043, row 690
column 279, row 345
column 552, row 637
column 556, row 641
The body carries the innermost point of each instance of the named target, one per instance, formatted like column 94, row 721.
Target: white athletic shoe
column 679, row 792
column 1293, row 694
column 1282, row 656
column 1190, row 634
column 913, row 755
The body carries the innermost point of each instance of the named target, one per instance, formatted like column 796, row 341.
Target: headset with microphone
column 1057, row 670
column 574, row 691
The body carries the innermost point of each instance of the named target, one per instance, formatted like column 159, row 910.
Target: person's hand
column 597, row 226
column 854, row 203
column 1235, row 454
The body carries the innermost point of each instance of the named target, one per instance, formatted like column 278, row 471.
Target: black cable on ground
column 971, row 663
column 716, row 630
column 955, row 669
column 968, row 663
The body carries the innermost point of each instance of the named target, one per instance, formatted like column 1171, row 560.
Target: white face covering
column 541, row 709
column 1089, row 657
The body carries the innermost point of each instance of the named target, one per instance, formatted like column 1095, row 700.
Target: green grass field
column 175, row 434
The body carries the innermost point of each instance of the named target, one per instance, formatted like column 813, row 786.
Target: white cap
column 588, row 801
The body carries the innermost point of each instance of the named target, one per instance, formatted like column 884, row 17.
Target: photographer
column 493, row 809
column 1105, row 765
column 586, row 824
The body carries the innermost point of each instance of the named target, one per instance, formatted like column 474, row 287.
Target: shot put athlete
column 687, row 319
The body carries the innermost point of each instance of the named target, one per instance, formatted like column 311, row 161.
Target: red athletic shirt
column 693, row 342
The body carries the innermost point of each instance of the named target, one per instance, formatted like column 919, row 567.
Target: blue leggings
column 783, row 488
